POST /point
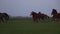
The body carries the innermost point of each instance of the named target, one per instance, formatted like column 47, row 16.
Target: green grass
column 27, row 26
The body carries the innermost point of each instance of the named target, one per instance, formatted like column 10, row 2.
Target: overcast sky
column 24, row 7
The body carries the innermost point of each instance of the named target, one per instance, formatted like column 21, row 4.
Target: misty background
column 24, row 7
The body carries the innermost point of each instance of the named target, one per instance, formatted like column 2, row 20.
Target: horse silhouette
column 38, row 16
column 4, row 17
column 34, row 16
column 56, row 15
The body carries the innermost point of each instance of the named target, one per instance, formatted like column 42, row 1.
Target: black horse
column 4, row 17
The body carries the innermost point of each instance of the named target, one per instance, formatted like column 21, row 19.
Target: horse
column 4, row 17
column 38, row 16
column 56, row 15
column 34, row 16
column 42, row 16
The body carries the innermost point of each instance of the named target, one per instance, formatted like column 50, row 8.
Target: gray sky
column 24, row 7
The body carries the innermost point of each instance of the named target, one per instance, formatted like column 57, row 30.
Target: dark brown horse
column 34, row 16
column 38, row 16
column 56, row 15
column 42, row 16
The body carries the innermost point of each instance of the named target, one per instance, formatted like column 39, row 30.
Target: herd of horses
column 4, row 17
column 41, row 16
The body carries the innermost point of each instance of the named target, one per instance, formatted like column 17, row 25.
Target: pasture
column 27, row 26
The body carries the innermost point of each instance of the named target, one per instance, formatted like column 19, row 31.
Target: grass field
column 27, row 26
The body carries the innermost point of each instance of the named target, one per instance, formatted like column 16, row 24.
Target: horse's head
column 54, row 11
column 32, row 13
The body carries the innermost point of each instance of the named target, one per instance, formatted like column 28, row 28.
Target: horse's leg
column 42, row 18
column 35, row 19
column 2, row 20
column 5, row 19
column 39, row 18
column 54, row 20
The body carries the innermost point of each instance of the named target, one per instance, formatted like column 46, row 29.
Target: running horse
column 38, row 16
column 4, row 17
column 55, row 15
column 42, row 16
column 34, row 16
column 1, row 17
